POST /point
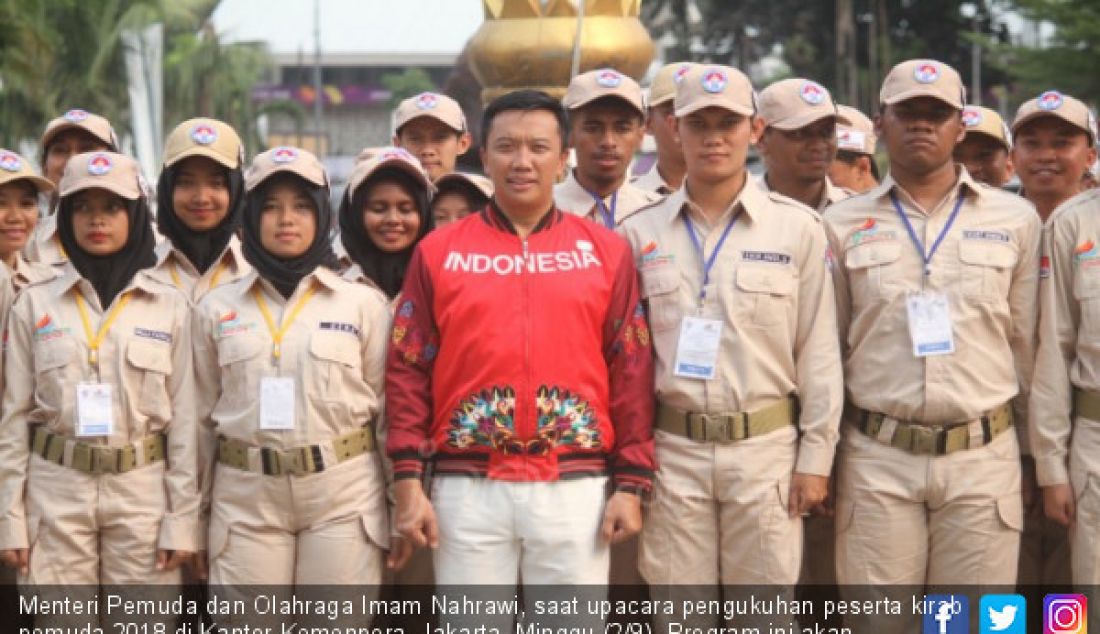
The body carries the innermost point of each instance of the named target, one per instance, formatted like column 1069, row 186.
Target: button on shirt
column 769, row 287
column 988, row 267
column 571, row 197
column 653, row 182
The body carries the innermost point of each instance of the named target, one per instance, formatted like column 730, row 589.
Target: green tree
column 1068, row 61
column 412, row 81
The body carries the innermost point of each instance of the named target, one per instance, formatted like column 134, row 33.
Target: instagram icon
column 1065, row 614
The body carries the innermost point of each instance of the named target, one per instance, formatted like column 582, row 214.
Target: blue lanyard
column 927, row 257
column 708, row 263
column 608, row 215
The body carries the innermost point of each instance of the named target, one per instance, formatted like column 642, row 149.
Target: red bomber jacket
column 522, row 360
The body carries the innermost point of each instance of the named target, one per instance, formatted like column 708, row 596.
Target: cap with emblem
column 430, row 104
column 663, row 88
column 116, row 173
column 705, row 86
column 791, row 104
column 1055, row 104
column 285, row 159
column 923, row 78
column 477, row 181
column 77, row 119
column 598, row 84
column 394, row 157
column 15, row 168
column 209, row 138
column 858, row 134
column 979, row 120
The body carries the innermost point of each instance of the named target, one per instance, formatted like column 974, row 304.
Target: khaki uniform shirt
column 988, row 267
column 175, row 269
column 569, row 196
column 833, row 194
column 652, row 181
column 145, row 356
column 45, row 245
column 770, row 289
column 12, row 282
column 1069, row 331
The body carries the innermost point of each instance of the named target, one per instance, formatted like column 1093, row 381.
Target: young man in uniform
column 936, row 282
column 1054, row 145
column 606, row 125
column 799, row 142
column 854, row 168
column 432, row 128
column 667, row 174
column 984, row 151
column 748, row 380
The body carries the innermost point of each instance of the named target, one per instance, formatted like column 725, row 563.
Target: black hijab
column 285, row 275
column 387, row 270
column 109, row 274
column 203, row 248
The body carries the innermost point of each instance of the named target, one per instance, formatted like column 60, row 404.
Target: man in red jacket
column 521, row 365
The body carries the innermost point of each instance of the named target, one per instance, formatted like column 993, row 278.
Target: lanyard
column 96, row 339
column 213, row 279
column 277, row 334
column 927, row 257
column 708, row 263
column 608, row 215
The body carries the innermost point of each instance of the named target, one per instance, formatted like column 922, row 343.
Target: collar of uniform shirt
column 888, row 184
column 751, row 198
column 141, row 281
column 322, row 274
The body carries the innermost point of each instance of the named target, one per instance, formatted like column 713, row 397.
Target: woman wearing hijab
column 383, row 215
column 200, row 197
column 289, row 368
column 97, row 440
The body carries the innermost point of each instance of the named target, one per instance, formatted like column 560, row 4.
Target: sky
column 353, row 26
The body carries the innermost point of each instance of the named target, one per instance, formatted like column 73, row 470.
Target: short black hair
column 528, row 100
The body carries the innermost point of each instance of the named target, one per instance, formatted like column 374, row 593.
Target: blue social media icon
column 946, row 614
column 1003, row 614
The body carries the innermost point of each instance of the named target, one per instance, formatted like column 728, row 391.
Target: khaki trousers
column 1084, row 474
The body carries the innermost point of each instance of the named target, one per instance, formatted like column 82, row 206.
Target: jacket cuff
column 407, row 465
column 1051, row 471
column 177, row 533
column 814, row 460
column 636, row 481
column 13, row 534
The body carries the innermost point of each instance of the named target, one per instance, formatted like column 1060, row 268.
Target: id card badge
column 95, row 412
column 930, row 324
column 277, row 403
column 697, row 350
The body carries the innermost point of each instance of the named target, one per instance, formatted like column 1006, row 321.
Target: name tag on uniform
column 95, row 414
column 277, row 403
column 930, row 324
column 697, row 350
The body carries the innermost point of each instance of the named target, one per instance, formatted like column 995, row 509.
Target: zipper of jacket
column 527, row 393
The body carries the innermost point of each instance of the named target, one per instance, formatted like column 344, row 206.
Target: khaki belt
column 1086, row 404
column 98, row 459
column 726, row 428
column 917, row 438
column 297, row 461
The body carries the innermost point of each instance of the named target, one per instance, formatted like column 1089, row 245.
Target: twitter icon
column 1003, row 614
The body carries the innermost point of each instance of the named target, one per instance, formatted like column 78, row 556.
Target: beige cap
column 77, row 119
column 604, row 82
column 204, row 137
column 395, row 157
column 479, row 182
column 923, row 78
column 368, row 153
column 791, row 104
column 720, row 86
column 116, row 173
column 858, row 134
column 285, row 159
column 979, row 120
column 430, row 104
column 663, row 88
column 1054, row 104
column 14, row 168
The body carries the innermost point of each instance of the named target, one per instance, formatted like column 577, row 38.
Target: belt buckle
column 105, row 459
column 924, row 440
column 717, row 429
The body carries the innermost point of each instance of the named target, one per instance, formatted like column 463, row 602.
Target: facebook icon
column 946, row 614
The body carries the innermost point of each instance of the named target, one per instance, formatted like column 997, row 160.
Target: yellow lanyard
column 213, row 279
column 95, row 340
column 277, row 334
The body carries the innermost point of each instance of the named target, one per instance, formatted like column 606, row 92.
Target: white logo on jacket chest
column 549, row 262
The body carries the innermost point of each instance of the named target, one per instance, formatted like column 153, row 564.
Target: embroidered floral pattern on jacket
column 565, row 419
column 409, row 340
column 634, row 335
column 486, row 418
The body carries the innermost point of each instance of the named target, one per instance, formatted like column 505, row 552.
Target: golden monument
column 534, row 44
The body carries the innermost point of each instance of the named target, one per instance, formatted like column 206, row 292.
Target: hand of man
column 18, row 558
column 415, row 517
column 172, row 559
column 807, row 493
column 198, row 566
column 622, row 518
column 1058, row 503
column 401, row 550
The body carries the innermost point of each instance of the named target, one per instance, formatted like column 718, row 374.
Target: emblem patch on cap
column 926, row 72
column 10, row 162
column 204, row 134
column 609, row 78
column 75, row 115
column 284, row 155
column 812, row 93
column 971, row 117
column 1051, row 100
column 397, row 153
column 99, row 165
column 714, row 81
column 678, row 76
column 426, row 100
